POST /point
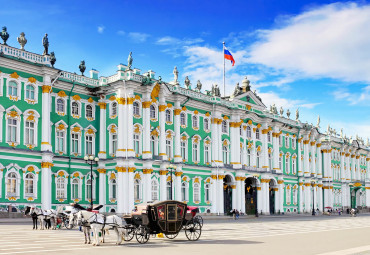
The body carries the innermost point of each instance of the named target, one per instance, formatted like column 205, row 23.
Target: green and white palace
column 151, row 136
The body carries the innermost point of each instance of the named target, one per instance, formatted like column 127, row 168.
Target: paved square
column 296, row 235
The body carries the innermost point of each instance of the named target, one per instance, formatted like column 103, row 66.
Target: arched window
column 11, row 186
column 169, row 192
column 60, row 105
column 89, row 144
column 195, row 152
column 224, row 126
column 206, row 124
column 75, row 143
column 137, row 190
column 88, row 189
column 29, row 133
column 60, row 188
column 249, row 132
column 287, row 142
column 287, row 168
column 195, row 121
column 294, row 167
column 114, row 189
column 75, row 109
column 75, row 189
column 168, row 115
column 12, row 130
column 114, row 109
column 258, row 163
column 154, row 190
column 153, row 114
column 207, row 189
column 12, row 89
column 196, row 192
column 184, row 191
column 136, row 108
column 28, row 184
column 89, row 111
column 257, row 133
column 183, row 119
column 30, row 92
column 248, row 157
column 225, row 153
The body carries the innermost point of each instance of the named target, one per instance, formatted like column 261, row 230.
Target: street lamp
column 171, row 168
column 91, row 161
column 313, row 198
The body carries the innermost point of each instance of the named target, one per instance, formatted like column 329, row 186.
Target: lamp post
column 313, row 198
column 91, row 161
column 171, row 168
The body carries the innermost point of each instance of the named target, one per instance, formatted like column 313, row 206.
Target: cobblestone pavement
column 329, row 236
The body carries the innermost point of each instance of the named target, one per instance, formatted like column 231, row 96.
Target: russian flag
column 227, row 55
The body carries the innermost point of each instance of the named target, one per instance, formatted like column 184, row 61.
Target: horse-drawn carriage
column 166, row 217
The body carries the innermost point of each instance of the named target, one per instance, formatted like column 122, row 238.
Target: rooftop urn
column 22, row 40
column 4, row 35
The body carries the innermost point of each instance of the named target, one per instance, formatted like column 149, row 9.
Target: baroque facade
column 228, row 152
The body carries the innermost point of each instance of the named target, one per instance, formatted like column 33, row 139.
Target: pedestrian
column 34, row 220
column 233, row 214
column 237, row 214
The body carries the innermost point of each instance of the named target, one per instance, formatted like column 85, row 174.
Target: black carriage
column 166, row 217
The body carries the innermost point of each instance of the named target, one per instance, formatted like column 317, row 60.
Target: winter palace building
column 156, row 140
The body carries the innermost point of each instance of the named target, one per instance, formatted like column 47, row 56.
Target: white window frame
column 249, row 132
column 207, row 188
column 154, row 183
column 155, row 112
column 34, row 185
column 94, row 186
column 92, row 111
column 79, row 141
column 29, row 129
column 185, row 156
column 294, row 143
column 111, row 184
column 185, row 119
column 168, row 116
column 258, row 134
column 280, row 141
column 139, row 197
column 64, row 106
column 17, row 140
column 294, row 165
column 287, row 164
column 204, row 124
column 224, row 127
column 248, row 157
column 138, row 113
column 137, row 138
column 111, row 113
column 79, row 109
column 196, row 199
column 195, row 124
column 288, row 197
column 295, row 195
column 64, row 189
column 17, row 183
column 87, row 139
column 169, row 155
column 286, row 141
column 258, row 159
column 196, row 150
column 35, row 92
column 207, row 148
column 19, row 88
column 186, row 193
column 226, row 154
column 79, row 188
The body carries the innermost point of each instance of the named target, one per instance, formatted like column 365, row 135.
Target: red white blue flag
column 227, row 55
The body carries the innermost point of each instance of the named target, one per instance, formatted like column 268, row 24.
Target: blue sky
column 314, row 55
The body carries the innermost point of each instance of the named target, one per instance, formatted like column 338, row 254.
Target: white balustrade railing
column 79, row 78
column 22, row 54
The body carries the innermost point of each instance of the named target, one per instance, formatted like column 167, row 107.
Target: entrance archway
column 250, row 196
column 272, row 195
column 228, row 198
column 354, row 198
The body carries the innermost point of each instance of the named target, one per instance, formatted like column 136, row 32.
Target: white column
column 342, row 172
column 319, row 158
column 147, row 154
column 235, row 201
column 120, row 184
column 259, row 198
column 321, row 204
column 130, row 177
column 299, row 158
column 45, row 138
column 162, row 130
column 306, row 158
column 265, row 155
column 130, row 128
column 242, row 193
column 177, row 137
column 121, row 137
column 254, row 151
column 308, row 197
column 277, row 198
column 315, row 202
column 267, row 197
column 147, row 181
column 126, row 188
column 215, row 148
column 178, row 175
column 102, row 186
column 214, row 192
column 163, row 184
column 281, row 195
column 219, row 143
column 358, row 167
column 301, row 197
column 102, row 130
column 275, row 144
column 220, row 189
column 313, row 152
column 46, row 164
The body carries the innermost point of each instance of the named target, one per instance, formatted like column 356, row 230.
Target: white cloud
column 121, row 32
column 176, row 46
column 101, row 29
column 138, row 37
column 353, row 98
column 362, row 129
column 330, row 41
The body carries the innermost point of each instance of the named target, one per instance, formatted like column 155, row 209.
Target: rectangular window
column 75, row 140
column 195, row 152
column 114, row 144
column 206, row 155
column 60, row 141
column 12, row 130
column 183, row 149
column 89, row 145
column 168, row 149
column 136, row 144
column 29, row 134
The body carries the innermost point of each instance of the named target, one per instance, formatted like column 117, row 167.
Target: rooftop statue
column 176, row 76
column 288, row 113
column 236, row 90
column 318, row 122
column 82, row 67
column 52, row 58
column 367, row 142
column 22, row 40
column 245, row 85
column 297, row 114
column 129, row 61
column 45, row 43
column 199, row 86
column 217, row 91
column 187, row 83
column 328, row 130
column 281, row 111
column 146, row 79
column 4, row 35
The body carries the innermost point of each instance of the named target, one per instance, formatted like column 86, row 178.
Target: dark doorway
column 272, row 197
column 250, row 196
column 228, row 192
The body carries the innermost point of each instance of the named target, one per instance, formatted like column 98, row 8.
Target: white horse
column 45, row 215
column 353, row 212
column 99, row 223
column 86, row 228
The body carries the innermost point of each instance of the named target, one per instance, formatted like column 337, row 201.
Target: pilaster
column 45, row 120
column 102, row 130
column 46, row 164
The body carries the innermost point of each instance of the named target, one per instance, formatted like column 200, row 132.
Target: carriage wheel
column 193, row 230
column 199, row 219
column 142, row 234
column 171, row 236
column 130, row 232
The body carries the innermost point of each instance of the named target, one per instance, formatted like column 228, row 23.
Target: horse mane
column 79, row 207
column 98, row 207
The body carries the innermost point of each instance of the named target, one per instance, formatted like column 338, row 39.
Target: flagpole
column 223, row 54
